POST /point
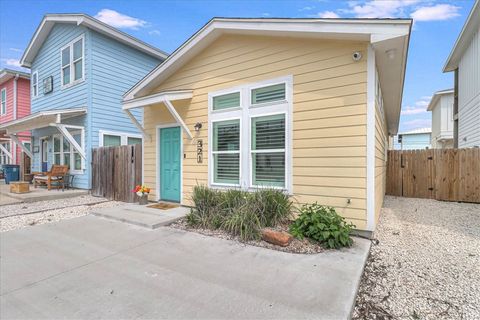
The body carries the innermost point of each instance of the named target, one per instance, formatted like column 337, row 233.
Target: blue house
column 413, row 140
column 80, row 69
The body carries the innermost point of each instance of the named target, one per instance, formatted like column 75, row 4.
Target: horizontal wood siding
column 329, row 113
column 469, row 95
column 381, row 134
column 115, row 69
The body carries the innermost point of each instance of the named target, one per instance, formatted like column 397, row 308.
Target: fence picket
column 448, row 174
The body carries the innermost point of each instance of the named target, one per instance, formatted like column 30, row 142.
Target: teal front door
column 170, row 164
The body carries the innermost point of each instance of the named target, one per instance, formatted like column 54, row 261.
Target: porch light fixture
column 197, row 126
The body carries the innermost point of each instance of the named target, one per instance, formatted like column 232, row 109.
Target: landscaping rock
column 278, row 238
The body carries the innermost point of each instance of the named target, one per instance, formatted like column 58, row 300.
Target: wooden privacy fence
column 116, row 171
column 442, row 174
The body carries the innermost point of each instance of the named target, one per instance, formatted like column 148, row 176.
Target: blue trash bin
column 11, row 172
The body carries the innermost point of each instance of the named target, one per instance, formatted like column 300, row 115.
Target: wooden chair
column 52, row 179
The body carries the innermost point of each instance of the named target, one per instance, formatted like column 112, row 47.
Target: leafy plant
column 324, row 225
column 238, row 212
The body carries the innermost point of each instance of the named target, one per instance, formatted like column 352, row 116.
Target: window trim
column 245, row 113
column 123, row 136
column 35, row 73
column 250, row 153
column 3, row 111
column 72, row 150
column 211, row 153
column 71, row 63
column 4, row 155
column 222, row 93
column 264, row 84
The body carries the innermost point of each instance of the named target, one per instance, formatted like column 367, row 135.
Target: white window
column 72, row 62
column 113, row 138
column 249, row 136
column 4, row 159
column 65, row 154
column 3, row 101
column 35, row 84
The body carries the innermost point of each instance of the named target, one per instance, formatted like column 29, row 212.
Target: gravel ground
column 18, row 216
column 296, row 246
column 424, row 262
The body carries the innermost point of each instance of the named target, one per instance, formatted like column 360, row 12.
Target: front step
column 142, row 216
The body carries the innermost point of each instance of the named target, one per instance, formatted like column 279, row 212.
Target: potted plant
column 142, row 192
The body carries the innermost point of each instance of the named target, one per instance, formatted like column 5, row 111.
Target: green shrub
column 239, row 212
column 324, row 225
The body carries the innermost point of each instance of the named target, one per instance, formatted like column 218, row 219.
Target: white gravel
column 20, row 215
column 425, row 264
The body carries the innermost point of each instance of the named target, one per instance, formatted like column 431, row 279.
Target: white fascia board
column 157, row 98
column 340, row 28
column 81, row 19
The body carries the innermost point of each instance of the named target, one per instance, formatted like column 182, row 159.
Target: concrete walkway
column 36, row 194
column 91, row 267
column 142, row 216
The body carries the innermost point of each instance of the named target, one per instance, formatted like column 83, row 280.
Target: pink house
column 14, row 104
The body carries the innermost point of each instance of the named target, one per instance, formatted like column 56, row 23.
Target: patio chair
column 52, row 179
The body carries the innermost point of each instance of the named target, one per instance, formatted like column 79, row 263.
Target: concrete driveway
column 90, row 267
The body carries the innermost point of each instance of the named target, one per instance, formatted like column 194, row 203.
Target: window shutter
column 226, row 152
column 226, row 101
column 268, row 151
column 268, row 94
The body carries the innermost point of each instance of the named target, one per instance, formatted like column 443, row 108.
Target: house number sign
column 199, row 151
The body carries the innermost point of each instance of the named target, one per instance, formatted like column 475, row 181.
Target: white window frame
column 3, row 103
column 35, row 85
column 71, row 63
column 72, row 150
column 245, row 113
column 211, row 152
column 123, row 136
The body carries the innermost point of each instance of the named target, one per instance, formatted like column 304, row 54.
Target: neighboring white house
column 464, row 60
column 413, row 140
column 441, row 107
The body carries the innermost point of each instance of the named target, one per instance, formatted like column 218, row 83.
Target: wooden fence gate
column 442, row 174
column 116, row 171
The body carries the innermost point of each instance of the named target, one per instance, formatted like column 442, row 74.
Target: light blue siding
column 413, row 141
column 115, row 69
column 111, row 68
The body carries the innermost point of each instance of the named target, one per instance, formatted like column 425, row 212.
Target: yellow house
column 303, row 105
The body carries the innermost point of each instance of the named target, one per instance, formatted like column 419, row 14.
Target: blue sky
column 167, row 24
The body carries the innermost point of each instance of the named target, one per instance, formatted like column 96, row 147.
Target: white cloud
column 12, row 62
column 328, row 14
column 436, row 12
column 265, row 14
column 154, row 32
column 379, row 8
column 118, row 20
column 419, row 107
column 307, row 8
column 15, row 49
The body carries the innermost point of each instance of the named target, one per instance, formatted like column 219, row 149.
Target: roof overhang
column 7, row 74
column 40, row 120
column 385, row 35
column 50, row 20
column 436, row 97
column 471, row 26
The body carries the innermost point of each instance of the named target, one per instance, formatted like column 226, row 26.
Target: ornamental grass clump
column 324, row 225
column 240, row 213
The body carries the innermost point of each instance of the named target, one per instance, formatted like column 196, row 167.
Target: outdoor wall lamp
column 197, row 126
